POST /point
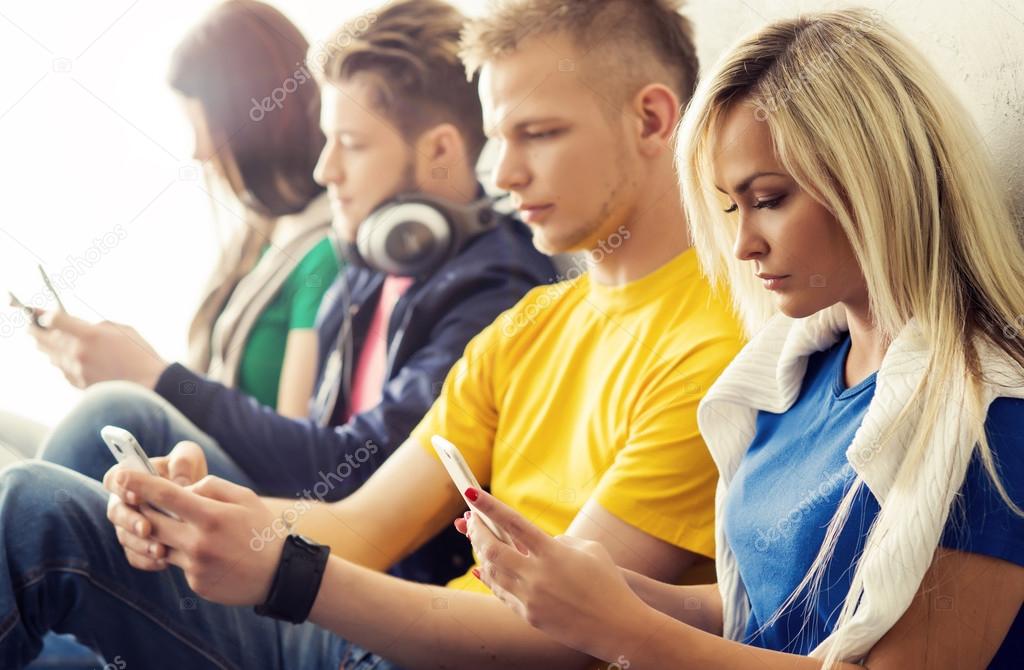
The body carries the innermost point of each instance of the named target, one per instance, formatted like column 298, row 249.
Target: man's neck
column 458, row 187
column 657, row 233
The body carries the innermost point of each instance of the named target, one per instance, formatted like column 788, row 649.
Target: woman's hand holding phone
column 463, row 477
column 567, row 587
column 89, row 353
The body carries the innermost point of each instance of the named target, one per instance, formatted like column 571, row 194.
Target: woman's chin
column 795, row 307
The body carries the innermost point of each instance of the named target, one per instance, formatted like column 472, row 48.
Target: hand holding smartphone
column 29, row 312
column 460, row 473
column 127, row 451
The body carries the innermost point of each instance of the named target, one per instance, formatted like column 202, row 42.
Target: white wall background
column 95, row 181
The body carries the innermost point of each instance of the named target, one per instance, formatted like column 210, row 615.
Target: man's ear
column 658, row 112
column 439, row 151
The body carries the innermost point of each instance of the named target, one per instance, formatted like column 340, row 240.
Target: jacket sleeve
column 291, row 457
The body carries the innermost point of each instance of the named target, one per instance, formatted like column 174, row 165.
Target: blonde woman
column 870, row 438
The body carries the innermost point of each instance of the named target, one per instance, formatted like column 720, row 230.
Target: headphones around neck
column 413, row 234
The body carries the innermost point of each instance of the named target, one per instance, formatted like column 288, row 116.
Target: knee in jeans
column 116, row 402
column 30, row 488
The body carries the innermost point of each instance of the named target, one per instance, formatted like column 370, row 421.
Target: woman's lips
column 773, row 282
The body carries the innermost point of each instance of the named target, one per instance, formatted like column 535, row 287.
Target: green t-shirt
column 294, row 307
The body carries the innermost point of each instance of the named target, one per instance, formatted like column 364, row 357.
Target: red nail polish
column 472, row 494
column 476, row 573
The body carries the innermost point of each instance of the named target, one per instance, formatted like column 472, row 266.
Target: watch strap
column 297, row 580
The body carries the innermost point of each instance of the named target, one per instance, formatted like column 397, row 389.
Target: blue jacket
column 428, row 331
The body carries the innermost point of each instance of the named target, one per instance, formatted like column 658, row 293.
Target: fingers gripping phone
column 460, row 473
column 29, row 312
column 127, row 450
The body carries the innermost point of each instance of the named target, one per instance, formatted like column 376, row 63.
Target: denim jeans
column 76, row 444
column 63, row 570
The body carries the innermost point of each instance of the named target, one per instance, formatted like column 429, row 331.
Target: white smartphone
column 463, row 477
column 49, row 287
column 127, row 450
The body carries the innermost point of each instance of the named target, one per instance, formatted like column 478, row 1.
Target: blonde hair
column 644, row 38
column 867, row 128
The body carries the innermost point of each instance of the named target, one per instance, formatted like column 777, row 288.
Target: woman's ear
column 658, row 111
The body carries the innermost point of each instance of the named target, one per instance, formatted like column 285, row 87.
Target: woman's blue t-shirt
column 792, row 479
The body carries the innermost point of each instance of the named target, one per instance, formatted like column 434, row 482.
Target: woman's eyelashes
column 769, row 203
column 764, row 203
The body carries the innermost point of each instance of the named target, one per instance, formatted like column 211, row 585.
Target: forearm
column 284, row 457
column 697, row 606
column 349, row 535
column 419, row 626
column 655, row 640
column 405, row 504
column 298, row 373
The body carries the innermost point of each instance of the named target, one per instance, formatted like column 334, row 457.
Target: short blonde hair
column 637, row 34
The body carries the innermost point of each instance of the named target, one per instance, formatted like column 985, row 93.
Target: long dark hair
column 245, row 64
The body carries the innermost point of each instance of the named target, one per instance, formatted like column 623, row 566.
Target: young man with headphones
column 430, row 265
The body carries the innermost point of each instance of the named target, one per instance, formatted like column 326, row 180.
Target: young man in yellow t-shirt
column 577, row 407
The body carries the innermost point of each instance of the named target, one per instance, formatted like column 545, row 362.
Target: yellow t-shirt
column 588, row 391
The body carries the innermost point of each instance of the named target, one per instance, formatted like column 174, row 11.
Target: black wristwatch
column 297, row 580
